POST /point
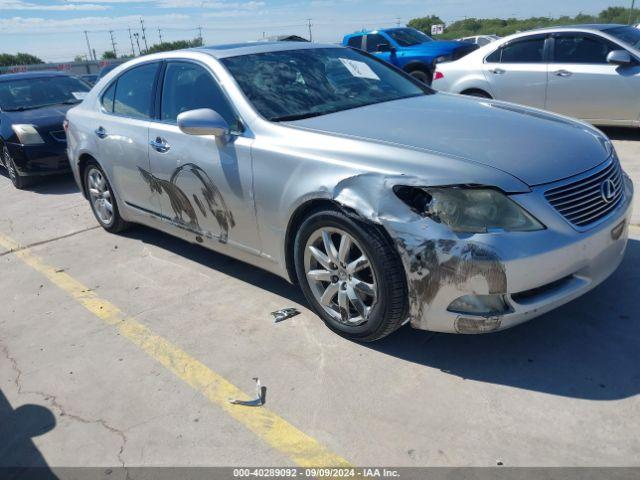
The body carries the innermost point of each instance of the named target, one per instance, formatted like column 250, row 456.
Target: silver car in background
column 385, row 201
column 590, row 72
column 480, row 40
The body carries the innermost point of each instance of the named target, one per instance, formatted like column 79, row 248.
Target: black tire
column 422, row 76
column 19, row 181
column 389, row 312
column 117, row 224
column 477, row 93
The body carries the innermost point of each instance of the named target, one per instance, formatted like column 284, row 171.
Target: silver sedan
column 590, row 72
column 386, row 202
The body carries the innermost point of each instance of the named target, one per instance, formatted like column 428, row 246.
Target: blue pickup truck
column 409, row 49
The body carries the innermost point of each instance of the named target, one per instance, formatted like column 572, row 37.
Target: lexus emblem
column 608, row 190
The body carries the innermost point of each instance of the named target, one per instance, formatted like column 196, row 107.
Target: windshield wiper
column 297, row 116
column 71, row 102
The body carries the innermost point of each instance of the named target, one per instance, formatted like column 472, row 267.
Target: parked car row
column 386, row 201
column 590, row 72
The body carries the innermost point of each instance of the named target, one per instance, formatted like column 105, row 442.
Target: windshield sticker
column 359, row 69
column 79, row 95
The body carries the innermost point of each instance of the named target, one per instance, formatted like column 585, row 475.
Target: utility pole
column 160, row 34
column 113, row 43
column 86, row 35
column 200, row 35
column 310, row 33
column 398, row 21
column 133, row 50
column 137, row 35
column 144, row 36
column 633, row 4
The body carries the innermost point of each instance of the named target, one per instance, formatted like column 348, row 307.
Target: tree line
column 503, row 27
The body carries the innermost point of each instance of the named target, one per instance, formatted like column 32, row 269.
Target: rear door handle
column 563, row 73
column 498, row 71
column 160, row 145
column 101, row 132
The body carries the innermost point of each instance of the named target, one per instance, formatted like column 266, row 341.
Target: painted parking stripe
column 302, row 449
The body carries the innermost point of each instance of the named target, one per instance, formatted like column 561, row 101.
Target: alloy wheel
column 100, row 196
column 8, row 164
column 340, row 276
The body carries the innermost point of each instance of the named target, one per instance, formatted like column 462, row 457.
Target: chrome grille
column 582, row 202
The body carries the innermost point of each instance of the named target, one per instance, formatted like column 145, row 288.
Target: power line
column 113, row 43
column 133, row 50
column 86, row 35
column 144, row 35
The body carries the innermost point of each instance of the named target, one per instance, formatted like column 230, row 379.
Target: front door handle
column 563, row 73
column 160, row 145
column 101, row 132
column 498, row 71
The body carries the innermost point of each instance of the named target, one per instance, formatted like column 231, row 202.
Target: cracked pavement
column 561, row 390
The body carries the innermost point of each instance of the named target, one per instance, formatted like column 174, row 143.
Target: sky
column 53, row 29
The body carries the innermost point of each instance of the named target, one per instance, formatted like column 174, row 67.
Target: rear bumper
column 37, row 160
column 534, row 272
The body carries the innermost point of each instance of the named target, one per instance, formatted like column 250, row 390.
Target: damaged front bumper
column 532, row 273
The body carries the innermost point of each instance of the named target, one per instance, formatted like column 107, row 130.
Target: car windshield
column 297, row 84
column 628, row 35
column 31, row 93
column 407, row 37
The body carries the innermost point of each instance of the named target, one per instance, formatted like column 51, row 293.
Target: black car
column 32, row 110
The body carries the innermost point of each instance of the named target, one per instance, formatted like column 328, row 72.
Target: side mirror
column 619, row 57
column 385, row 47
column 203, row 121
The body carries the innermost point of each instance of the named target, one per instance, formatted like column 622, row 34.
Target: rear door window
column 355, row 42
column 524, row 51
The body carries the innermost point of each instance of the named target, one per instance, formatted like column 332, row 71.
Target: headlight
column 27, row 134
column 470, row 210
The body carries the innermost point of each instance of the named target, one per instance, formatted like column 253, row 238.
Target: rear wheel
column 102, row 199
column 351, row 276
column 18, row 180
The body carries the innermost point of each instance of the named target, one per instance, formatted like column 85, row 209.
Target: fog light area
column 479, row 305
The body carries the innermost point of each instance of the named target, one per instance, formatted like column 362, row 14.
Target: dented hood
column 534, row 146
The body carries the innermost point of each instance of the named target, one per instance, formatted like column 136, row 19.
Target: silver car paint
column 600, row 94
column 353, row 159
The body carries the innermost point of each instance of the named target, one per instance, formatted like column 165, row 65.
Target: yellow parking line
column 302, row 449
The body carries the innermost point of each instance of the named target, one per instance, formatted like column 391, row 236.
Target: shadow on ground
column 62, row 184
column 19, row 457
column 619, row 133
column 587, row 349
column 221, row 263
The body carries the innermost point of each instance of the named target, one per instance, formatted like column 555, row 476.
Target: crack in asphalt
column 51, row 240
column 53, row 400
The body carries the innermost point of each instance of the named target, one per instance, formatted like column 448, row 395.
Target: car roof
column 249, row 48
column 586, row 26
column 23, row 75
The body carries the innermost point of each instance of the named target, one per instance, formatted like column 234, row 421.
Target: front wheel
column 422, row 76
column 102, row 199
column 351, row 276
column 18, row 180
